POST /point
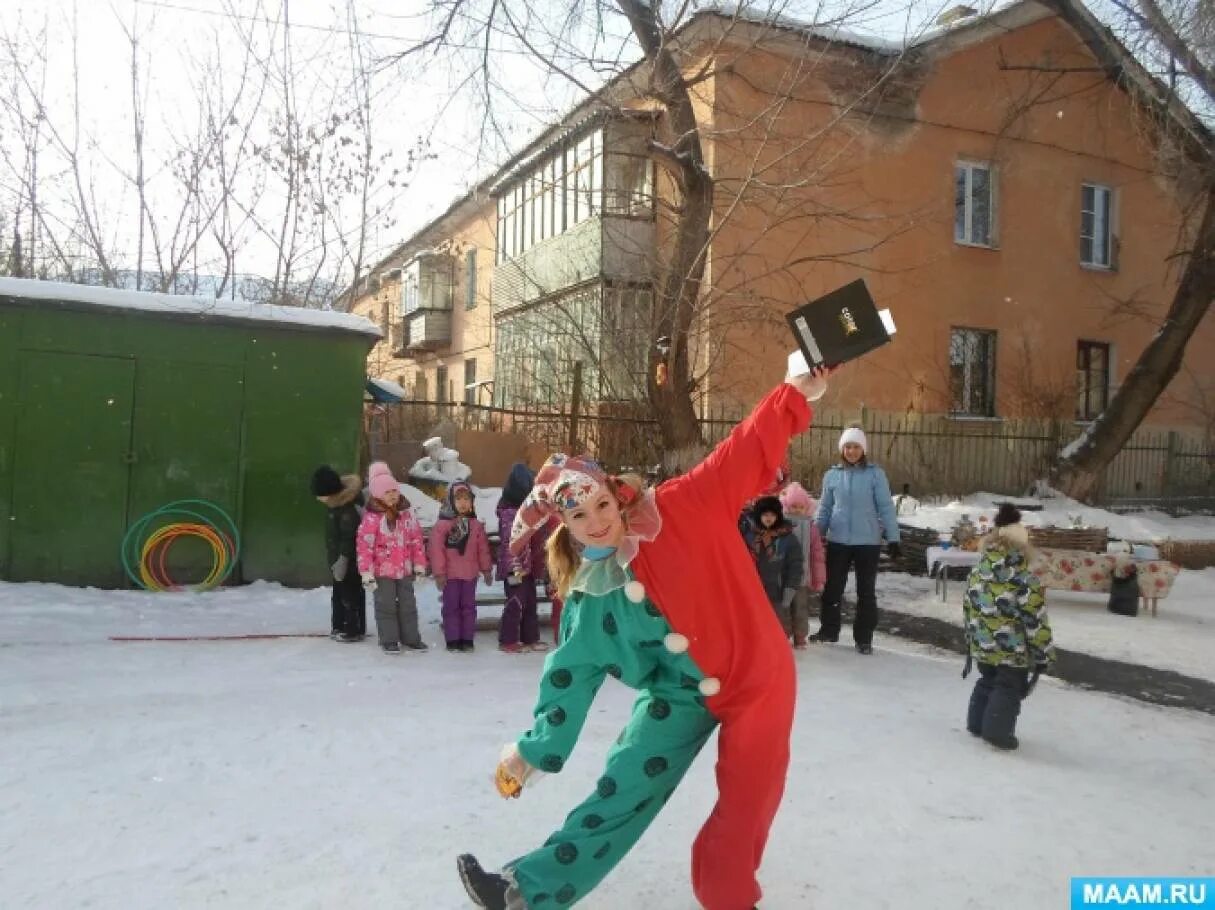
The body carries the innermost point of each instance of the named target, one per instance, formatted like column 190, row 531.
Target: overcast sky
column 432, row 97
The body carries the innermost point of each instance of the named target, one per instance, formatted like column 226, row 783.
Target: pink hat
column 380, row 479
column 794, row 497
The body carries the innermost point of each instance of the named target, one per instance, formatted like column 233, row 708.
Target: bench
column 1077, row 570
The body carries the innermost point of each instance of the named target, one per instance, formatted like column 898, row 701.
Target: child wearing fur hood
column 1007, row 631
column 778, row 557
column 391, row 552
column 340, row 495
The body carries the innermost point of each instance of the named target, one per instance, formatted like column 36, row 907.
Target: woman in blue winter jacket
column 856, row 513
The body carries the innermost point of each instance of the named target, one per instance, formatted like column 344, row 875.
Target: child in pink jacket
column 391, row 552
column 799, row 507
column 459, row 551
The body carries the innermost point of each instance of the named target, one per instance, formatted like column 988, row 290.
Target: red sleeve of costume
column 745, row 462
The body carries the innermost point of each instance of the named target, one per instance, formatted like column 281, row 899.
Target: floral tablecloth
column 1076, row 570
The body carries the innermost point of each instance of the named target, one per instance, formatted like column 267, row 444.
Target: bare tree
column 1186, row 152
column 264, row 162
column 767, row 161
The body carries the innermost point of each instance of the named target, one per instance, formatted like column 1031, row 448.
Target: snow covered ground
column 1058, row 511
column 302, row 773
column 1180, row 637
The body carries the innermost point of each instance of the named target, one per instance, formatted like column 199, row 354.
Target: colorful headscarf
column 457, row 535
column 566, row 482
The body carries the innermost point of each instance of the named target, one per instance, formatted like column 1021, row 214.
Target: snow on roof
column 178, row 304
column 387, row 385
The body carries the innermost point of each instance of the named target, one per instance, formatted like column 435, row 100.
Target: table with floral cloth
column 1077, row 570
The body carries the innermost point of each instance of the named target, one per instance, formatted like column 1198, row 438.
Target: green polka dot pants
column 667, row 729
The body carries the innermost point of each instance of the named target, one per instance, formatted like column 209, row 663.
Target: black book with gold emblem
column 838, row 327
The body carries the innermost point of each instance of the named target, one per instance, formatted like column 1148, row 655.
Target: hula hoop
column 143, row 553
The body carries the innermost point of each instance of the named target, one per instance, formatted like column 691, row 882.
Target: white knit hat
column 856, row 435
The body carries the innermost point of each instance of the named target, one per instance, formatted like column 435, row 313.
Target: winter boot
column 511, row 648
column 820, row 637
column 391, row 647
column 864, row 648
column 455, row 646
column 418, row 647
column 467, row 646
column 485, row 888
column 799, row 642
column 347, row 638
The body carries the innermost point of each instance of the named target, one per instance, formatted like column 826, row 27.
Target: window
column 974, row 206
column 1096, row 226
column 419, row 385
column 972, row 372
column 562, row 189
column 1092, row 379
column 627, row 187
column 536, row 349
column 441, row 385
column 470, row 279
column 624, row 345
column 470, row 381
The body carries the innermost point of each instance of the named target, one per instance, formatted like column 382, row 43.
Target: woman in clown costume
column 665, row 598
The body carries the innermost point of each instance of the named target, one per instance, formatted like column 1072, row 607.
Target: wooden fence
column 931, row 454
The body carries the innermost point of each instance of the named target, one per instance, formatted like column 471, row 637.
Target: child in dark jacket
column 1007, row 631
column 519, row 629
column 348, row 603
column 778, row 557
column 459, row 551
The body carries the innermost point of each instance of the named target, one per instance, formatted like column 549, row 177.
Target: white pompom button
column 635, row 591
column 675, row 643
column 710, row 685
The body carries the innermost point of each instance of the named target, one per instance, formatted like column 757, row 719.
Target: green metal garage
column 114, row 403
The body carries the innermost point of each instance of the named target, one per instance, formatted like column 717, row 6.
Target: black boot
column 485, row 888
column 978, row 701
column 821, row 636
column 1003, row 706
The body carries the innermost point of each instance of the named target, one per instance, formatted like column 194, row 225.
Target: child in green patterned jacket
column 1007, row 631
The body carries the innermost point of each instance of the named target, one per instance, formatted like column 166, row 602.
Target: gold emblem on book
column 846, row 320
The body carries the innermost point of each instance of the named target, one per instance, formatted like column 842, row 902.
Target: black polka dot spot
column 643, row 805
column 655, row 766
column 566, row 893
column 652, row 610
column 689, row 682
column 592, row 821
column 561, row 679
column 614, row 670
column 556, row 716
column 603, row 851
column 660, row 709
column 566, row 853
column 609, row 624
column 552, row 763
column 606, row 787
